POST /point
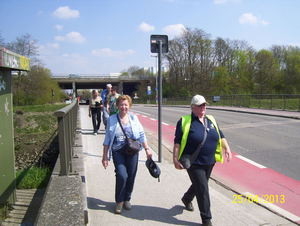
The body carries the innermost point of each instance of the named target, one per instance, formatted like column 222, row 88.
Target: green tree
column 36, row 88
column 267, row 70
column 245, row 70
column 221, row 81
column 292, row 71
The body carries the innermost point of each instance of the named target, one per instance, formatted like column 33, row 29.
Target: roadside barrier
column 65, row 198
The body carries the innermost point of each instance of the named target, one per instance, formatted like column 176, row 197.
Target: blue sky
column 107, row 36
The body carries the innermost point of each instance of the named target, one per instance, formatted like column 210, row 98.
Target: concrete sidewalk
column 153, row 202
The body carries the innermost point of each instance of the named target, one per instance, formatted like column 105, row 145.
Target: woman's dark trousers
column 96, row 118
column 125, row 169
column 199, row 176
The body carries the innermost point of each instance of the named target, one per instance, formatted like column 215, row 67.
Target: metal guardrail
column 67, row 120
column 100, row 76
column 290, row 102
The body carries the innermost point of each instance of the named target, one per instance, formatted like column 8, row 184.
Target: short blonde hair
column 124, row 97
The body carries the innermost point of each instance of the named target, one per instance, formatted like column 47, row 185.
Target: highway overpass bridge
column 125, row 84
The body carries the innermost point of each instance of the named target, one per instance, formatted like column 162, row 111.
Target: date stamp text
column 259, row 199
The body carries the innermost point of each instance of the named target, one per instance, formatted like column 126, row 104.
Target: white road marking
column 251, row 162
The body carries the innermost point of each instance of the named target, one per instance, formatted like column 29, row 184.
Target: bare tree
column 25, row 45
column 190, row 60
column 1, row 40
column 175, row 58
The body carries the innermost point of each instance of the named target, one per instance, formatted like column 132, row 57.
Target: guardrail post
column 271, row 101
column 62, row 147
column 284, row 107
column 66, row 133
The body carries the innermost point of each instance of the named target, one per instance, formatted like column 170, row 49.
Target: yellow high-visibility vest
column 186, row 124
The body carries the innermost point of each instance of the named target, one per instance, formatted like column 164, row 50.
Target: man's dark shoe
column 207, row 224
column 188, row 205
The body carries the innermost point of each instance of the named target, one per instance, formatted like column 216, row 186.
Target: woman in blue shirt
column 115, row 145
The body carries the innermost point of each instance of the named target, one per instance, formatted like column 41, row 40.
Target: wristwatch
column 147, row 149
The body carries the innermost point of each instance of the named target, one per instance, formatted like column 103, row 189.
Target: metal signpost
column 156, row 89
column 159, row 44
column 9, row 61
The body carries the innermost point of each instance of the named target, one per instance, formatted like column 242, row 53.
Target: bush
column 19, row 112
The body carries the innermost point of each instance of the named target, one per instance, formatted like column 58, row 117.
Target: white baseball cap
column 198, row 100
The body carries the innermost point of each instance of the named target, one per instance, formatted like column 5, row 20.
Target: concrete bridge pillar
column 120, row 88
column 74, row 90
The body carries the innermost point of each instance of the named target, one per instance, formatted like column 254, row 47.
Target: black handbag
column 133, row 146
column 187, row 160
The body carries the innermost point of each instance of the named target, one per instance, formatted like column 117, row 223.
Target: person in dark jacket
column 95, row 106
column 189, row 134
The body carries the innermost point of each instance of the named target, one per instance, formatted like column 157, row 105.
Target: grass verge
column 33, row 177
column 36, row 147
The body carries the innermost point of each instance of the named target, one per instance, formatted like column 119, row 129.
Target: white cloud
column 65, row 13
column 73, row 36
column 295, row 44
column 59, row 27
column 174, row 29
column 66, row 63
column 225, row 1
column 59, row 38
column 263, row 22
column 106, row 52
column 50, row 48
column 146, row 27
column 249, row 18
column 54, row 45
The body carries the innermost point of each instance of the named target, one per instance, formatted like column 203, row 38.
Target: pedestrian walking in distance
column 95, row 106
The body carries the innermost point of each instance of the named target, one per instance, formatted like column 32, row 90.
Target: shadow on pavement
column 143, row 213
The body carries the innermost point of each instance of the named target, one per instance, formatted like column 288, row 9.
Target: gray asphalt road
column 268, row 140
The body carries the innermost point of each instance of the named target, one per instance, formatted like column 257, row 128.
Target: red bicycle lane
column 254, row 182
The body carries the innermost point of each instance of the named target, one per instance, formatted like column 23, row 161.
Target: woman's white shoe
column 127, row 205
column 119, row 207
